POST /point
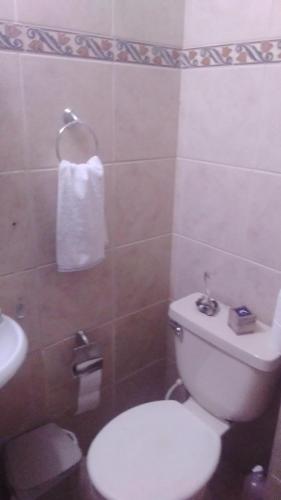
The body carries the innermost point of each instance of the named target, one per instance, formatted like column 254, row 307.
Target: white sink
column 13, row 348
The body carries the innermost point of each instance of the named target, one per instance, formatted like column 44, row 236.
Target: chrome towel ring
column 71, row 119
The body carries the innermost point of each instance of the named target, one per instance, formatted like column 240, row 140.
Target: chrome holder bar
column 70, row 120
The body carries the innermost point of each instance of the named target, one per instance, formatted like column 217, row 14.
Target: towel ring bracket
column 71, row 120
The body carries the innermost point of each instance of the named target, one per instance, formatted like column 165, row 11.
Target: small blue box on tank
column 241, row 320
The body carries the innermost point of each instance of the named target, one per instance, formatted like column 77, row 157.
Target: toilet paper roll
column 89, row 391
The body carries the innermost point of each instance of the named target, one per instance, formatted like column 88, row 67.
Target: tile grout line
column 110, row 250
column 111, row 322
column 110, row 164
column 214, row 164
column 226, row 252
column 136, row 372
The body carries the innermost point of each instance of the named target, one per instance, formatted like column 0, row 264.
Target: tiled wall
column 227, row 202
column 155, row 21
column 228, row 183
column 211, row 22
column 122, row 303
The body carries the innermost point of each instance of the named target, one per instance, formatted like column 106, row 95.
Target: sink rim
column 11, row 365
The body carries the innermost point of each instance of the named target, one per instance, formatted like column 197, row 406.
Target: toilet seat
column 154, row 451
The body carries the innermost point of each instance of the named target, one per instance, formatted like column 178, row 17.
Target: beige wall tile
column 146, row 112
column 22, row 288
column 62, row 400
column 158, row 21
column 17, row 248
column 138, row 212
column 214, row 21
column 212, row 203
column 11, row 125
column 233, row 209
column 24, row 398
column 146, row 385
column 43, row 186
column 275, row 20
column 269, row 144
column 58, row 364
column 263, row 237
column 232, row 96
column 7, row 9
column 109, row 201
column 73, row 301
column 38, row 385
column 86, row 15
column 82, row 85
column 140, row 340
column 141, row 273
column 233, row 280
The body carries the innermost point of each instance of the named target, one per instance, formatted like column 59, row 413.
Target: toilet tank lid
column 254, row 349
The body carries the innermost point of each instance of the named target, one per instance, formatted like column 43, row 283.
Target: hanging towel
column 81, row 227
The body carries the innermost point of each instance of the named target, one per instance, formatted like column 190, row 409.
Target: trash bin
column 38, row 460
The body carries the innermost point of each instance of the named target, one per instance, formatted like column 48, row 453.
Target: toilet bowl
column 168, row 453
column 167, row 450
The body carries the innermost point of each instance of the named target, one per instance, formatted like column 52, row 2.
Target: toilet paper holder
column 87, row 356
column 81, row 339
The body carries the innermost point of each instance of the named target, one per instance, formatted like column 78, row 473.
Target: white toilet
column 169, row 451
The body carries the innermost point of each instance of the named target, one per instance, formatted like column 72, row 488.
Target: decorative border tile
column 70, row 44
column 40, row 40
column 266, row 51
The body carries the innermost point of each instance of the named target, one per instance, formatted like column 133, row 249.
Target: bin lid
column 40, row 456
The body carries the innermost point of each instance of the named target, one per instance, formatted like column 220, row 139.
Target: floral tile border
column 265, row 51
column 40, row 40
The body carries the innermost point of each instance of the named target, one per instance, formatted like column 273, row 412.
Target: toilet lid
column 156, row 451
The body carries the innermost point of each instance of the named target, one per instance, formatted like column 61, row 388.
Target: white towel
column 81, row 227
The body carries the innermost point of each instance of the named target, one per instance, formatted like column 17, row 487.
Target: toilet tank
column 232, row 376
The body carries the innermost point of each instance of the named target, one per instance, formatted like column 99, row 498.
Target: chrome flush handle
column 205, row 304
column 177, row 329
